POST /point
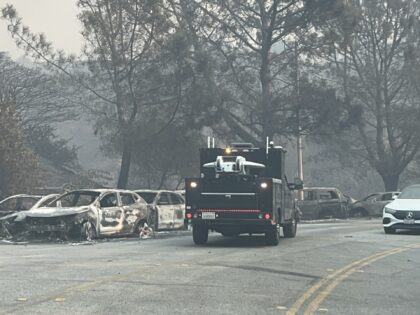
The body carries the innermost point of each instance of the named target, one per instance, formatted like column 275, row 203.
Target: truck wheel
column 272, row 236
column 389, row 230
column 289, row 230
column 200, row 234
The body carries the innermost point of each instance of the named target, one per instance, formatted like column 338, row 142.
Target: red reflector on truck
column 267, row 216
column 189, row 215
column 230, row 210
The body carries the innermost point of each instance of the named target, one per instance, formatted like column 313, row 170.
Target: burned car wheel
column 359, row 212
column 142, row 228
column 87, row 231
column 156, row 221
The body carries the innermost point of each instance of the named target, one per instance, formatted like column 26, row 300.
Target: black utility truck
column 242, row 189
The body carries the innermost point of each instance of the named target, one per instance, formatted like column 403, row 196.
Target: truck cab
column 241, row 189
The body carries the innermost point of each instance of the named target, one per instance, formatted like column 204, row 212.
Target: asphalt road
column 348, row 267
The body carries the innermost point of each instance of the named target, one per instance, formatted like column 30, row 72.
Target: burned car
column 82, row 214
column 18, row 203
column 323, row 202
column 166, row 208
column 372, row 205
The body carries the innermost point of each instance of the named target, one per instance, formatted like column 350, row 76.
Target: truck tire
column 289, row 230
column 200, row 234
column 272, row 236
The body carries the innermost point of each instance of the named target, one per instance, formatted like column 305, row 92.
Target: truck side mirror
column 297, row 185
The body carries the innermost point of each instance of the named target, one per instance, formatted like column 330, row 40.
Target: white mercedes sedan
column 404, row 212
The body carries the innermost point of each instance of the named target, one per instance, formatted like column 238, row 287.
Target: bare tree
column 122, row 41
column 370, row 52
column 38, row 96
column 19, row 169
column 253, row 37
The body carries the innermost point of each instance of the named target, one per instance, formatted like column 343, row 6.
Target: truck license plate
column 208, row 215
column 409, row 221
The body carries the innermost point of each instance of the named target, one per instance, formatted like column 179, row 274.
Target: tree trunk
column 265, row 76
column 265, row 79
column 390, row 181
column 125, row 165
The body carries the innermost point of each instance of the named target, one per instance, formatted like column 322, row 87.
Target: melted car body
column 166, row 208
column 83, row 214
column 323, row 202
column 18, row 203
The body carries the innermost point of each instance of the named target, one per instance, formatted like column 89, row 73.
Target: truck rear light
column 267, row 216
column 189, row 215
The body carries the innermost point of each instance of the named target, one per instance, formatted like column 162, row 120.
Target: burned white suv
column 83, row 214
column 166, row 208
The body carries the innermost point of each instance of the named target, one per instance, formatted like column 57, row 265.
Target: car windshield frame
column 411, row 192
column 93, row 194
column 148, row 196
column 367, row 198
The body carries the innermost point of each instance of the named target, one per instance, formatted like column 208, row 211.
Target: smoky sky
column 57, row 19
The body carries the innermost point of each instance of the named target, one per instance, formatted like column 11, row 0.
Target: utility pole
column 299, row 128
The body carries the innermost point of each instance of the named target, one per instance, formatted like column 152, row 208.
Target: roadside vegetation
column 156, row 77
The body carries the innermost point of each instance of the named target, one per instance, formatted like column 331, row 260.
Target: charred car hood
column 54, row 212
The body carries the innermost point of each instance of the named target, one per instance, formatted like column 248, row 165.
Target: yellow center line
column 337, row 277
column 316, row 302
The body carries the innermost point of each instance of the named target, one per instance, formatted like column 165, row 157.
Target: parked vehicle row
column 86, row 214
column 330, row 202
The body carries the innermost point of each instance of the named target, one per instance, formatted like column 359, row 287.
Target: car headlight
column 389, row 210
